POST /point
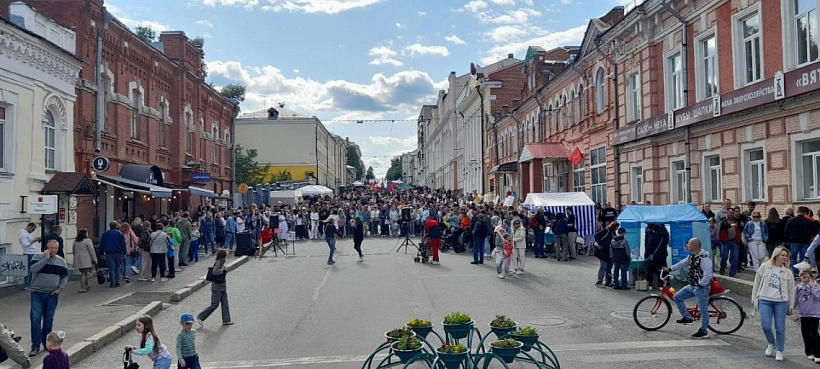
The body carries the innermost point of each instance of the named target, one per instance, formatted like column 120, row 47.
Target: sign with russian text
column 201, row 177
column 42, row 204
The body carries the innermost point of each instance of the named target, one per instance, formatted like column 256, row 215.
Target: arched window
column 161, row 126
column 214, row 137
column 572, row 102
column 136, row 102
column 582, row 102
column 600, row 90
column 550, row 124
column 189, row 124
column 50, row 128
column 563, row 115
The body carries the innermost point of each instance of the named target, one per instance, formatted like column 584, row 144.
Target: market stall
column 557, row 202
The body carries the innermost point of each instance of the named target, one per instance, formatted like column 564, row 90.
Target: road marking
column 324, row 280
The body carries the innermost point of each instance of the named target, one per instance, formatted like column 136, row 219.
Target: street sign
column 13, row 265
column 101, row 164
column 243, row 188
column 201, row 177
column 42, row 204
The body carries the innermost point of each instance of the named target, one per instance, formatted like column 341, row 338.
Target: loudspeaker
column 405, row 215
column 273, row 221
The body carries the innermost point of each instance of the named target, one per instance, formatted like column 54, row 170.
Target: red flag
column 392, row 186
column 576, row 157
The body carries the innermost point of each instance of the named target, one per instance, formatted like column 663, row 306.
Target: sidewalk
column 85, row 315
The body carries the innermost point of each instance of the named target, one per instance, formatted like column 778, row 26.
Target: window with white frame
column 679, row 181
column 549, row 178
column 810, row 165
column 578, row 178
column 637, row 185
column 50, row 129
column 805, row 29
column 3, row 135
column 597, row 174
column 674, row 82
column 707, row 67
column 756, row 175
column 750, row 48
column 633, row 97
column 136, row 101
column 161, row 125
column 582, row 102
column 600, row 91
column 189, row 123
column 712, row 186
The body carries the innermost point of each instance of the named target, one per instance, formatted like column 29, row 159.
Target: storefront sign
column 694, row 114
column 747, row 97
column 651, row 127
column 802, row 80
column 201, row 177
column 624, row 135
column 42, row 204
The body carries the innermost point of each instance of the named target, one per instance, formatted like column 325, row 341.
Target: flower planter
column 458, row 331
column 422, row 331
column 451, row 361
column 528, row 341
column 500, row 332
column 394, row 339
column 507, row 354
column 405, row 355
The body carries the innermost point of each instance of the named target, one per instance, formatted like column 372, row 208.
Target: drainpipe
column 685, row 73
column 483, row 133
column 235, row 104
column 615, row 122
column 98, row 80
column 541, row 136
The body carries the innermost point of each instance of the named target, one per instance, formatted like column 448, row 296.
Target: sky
column 377, row 61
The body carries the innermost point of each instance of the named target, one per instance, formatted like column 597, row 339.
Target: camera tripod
column 407, row 241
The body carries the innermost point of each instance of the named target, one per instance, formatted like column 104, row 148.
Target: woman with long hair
column 132, row 252
column 85, row 257
column 773, row 296
column 776, row 228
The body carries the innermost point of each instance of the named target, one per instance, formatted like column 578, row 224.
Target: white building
column 38, row 74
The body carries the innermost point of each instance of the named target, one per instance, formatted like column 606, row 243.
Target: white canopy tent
column 557, row 202
column 314, row 190
column 289, row 197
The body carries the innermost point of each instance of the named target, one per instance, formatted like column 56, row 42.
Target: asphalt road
column 298, row 312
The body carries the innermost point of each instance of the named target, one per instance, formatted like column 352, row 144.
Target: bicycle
column 652, row 312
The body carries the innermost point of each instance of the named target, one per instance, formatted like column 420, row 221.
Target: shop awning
column 511, row 167
column 69, row 183
column 130, row 185
column 544, row 150
column 201, row 191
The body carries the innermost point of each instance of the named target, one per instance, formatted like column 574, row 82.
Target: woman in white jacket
column 519, row 245
column 314, row 223
column 773, row 296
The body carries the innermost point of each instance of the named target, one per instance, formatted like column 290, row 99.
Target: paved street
column 299, row 312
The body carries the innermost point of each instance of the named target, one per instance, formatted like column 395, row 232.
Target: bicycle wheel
column 726, row 316
column 652, row 313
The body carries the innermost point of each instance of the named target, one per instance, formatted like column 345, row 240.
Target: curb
column 90, row 345
column 738, row 286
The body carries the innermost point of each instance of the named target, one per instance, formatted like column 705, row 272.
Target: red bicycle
column 652, row 312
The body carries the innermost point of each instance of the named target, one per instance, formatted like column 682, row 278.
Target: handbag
column 210, row 277
column 127, row 363
column 101, row 277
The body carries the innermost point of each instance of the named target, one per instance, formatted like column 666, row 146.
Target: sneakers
column 227, row 323
column 817, row 360
column 689, row 321
column 135, row 269
column 501, row 276
column 519, row 272
column 200, row 322
column 163, row 279
column 811, row 357
column 34, row 352
column 361, row 258
column 331, row 262
column 153, row 279
column 177, row 270
column 701, row 334
column 769, row 350
column 778, row 356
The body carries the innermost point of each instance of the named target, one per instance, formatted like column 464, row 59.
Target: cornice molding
column 29, row 51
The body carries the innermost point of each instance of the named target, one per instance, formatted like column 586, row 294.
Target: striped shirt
column 186, row 344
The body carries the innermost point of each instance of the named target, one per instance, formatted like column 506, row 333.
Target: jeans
column 208, row 240
column 605, row 271
column 192, row 362
column 218, row 298
column 478, row 255
column 331, row 242
column 702, row 294
column 725, row 249
column 114, row 268
column 129, row 262
column 43, row 307
column 27, row 280
column 230, row 240
column 777, row 310
column 193, row 251
column 487, row 248
column 163, row 362
column 620, row 270
column 539, row 244
column 798, row 251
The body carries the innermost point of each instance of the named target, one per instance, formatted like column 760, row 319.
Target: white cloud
column 248, row 4
column 475, row 6
column 508, row 33
column 384, row 56
column 504, row 2
column 207, row 35
column 401, row 26
column 318, row 6
column 421, row 14
column 296, row 71
column 566, row 2
column 409, row 142
column 205, row 23
column 549, row 40
column 517, row 16
column 419, row 49
column 132, row 23
column 455, row 39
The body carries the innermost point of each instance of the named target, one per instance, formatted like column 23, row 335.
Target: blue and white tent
column 557, row 202
column 683, row 221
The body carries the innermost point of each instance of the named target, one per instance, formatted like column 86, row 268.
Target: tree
column 355, row 160
column 199, row 43
column 369, row 174
column 233, row 91
column 394, row 172
column 146, row 33
column 247, row 168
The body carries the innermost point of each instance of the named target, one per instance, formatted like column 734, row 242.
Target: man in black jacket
column 799, row 232
column 480, row 232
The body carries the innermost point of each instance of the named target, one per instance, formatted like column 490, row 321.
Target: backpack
column 533, row 222
column 145, row 241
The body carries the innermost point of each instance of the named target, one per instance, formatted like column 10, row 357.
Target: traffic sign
column 101, row 164
column 243, row 188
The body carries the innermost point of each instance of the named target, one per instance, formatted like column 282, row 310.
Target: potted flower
column 458, row 325
column 421, row 327
column 407, row 347
column 507, row 349
column 452, row 355
column 395, row 334
column 527, row 336
column 502, row 325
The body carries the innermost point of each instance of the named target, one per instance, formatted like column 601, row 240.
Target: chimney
column 505, row 109
column 509, row 56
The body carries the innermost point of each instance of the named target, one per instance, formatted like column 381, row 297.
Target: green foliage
column 199, row 43
column 505, row 343
column 247, row 168
column 146, row 33
column 395, row 171
column 408, row 343
column 233, row 91
column 501, row 321
column 400, row 332
column 355, row 160
column 282, row 176
column 416, row 322
column 457, row 318
column 369, row 174
column 526, row 331
column 452, row 349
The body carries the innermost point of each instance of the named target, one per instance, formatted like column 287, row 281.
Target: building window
column 582, row 102
column 597, row 174
column 189, row 124
column 549, row 178
column 805, row 27
column 751, row 49
column 578, row 178
column 633, row 97
column 756, row 179
column 161, row 126
column 600, row 91
column 707, row 68
column 637, row 185
column 50, row 141
column 713, row 190
column 810, row 157
column 675, row 82
column 136, row 101
column 214, row 137
column 678, row 182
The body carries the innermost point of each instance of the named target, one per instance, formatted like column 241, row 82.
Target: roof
column 543, row 150
column 511, row 167
column 69, row 182
column 283, row 114
column 544, row 199
column 41, row 38
column 678, row 213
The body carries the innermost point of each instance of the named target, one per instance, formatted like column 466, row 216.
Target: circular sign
column 100, row 163
column 243, row 188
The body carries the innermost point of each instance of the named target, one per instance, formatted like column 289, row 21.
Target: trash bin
column 244, row 244
column 637, row 271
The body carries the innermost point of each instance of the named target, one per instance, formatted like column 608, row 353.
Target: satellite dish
column 473, row 70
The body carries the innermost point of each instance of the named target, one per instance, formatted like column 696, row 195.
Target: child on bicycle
column 807, row 302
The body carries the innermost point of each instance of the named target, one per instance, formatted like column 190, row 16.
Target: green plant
column 501, row 321
column 526, row 331
column 400, row 332
column 408, row 343
column 416, row 322
column 457, row 318
column 452, row 349
column 505, row 343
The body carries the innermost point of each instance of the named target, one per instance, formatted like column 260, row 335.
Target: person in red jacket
column 431, row 228
column 730, row 234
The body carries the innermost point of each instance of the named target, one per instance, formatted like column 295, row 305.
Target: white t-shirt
column 773, row 284
column 240, row 224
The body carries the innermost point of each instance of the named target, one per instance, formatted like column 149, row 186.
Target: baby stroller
column 451, row 240
column 425, row 251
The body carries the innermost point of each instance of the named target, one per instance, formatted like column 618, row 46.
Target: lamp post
column 235, row 104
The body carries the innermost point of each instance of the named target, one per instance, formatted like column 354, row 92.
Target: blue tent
column 683, row 220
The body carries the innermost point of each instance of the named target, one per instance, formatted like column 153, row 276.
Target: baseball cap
column 622, row 230
column 186, row 318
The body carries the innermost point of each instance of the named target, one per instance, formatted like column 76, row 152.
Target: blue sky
column 360, row 59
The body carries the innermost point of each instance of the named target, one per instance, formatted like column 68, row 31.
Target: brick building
column 161, row 123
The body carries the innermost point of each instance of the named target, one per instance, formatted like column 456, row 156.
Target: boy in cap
column 619, row 253
column 186, row 343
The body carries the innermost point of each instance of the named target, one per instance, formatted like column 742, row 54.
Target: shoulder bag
column 210, row 277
